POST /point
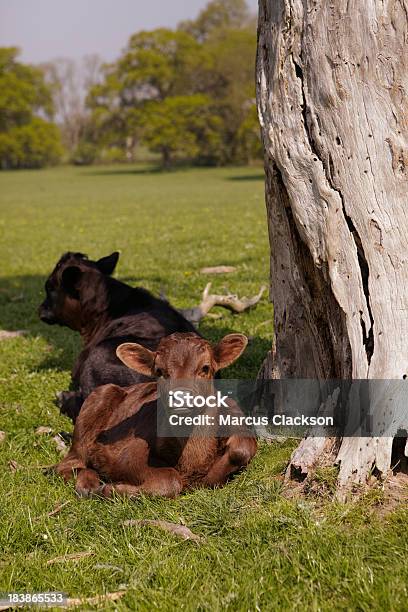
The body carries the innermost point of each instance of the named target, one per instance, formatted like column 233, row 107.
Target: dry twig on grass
column 4, row 334
column 57, row 509
column 71, row 557
column 72, row 602
column 60, row 444
column 218, row 270
column 179, row 530
column 42, row 430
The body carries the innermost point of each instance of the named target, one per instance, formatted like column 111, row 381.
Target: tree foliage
column 185, row 93
column 28, row 139
column 219, row 15
column 181, row 126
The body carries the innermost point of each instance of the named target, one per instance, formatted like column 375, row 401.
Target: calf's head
column 183, row 356
column 76, row 287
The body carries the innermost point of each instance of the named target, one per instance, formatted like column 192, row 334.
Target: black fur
column 81, row 295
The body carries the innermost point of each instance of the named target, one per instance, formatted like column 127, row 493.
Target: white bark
column 332, row 85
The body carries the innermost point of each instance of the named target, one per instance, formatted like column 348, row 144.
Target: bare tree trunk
column 332, row 101
column 166, row 158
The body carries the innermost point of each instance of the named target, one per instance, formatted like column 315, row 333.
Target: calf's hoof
column 106, row 490
column 87, row 483
column 58, row 401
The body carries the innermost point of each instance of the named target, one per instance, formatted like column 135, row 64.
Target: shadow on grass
column 157, row 169
column 20, row 297
column 248, row 365
column 246, row 177
column 139, row 169
column 123, row 171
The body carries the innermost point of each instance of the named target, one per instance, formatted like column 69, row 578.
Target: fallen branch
column 4, row 334
column 42, row 430
column 230, row 301
column 58, row 508
column 179, row 530
column 13, row 465
column 93, row 601
column 71, row 557
column 54, row 512
column 218, row 270
column 60, row 444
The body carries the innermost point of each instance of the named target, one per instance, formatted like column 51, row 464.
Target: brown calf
column 115, row 436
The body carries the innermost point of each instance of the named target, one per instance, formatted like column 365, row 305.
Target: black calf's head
column 76, row 287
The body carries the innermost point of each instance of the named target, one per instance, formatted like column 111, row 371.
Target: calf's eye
column 205, row 369
column 159, row 373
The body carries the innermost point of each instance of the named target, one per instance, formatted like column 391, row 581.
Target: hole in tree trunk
column 399, row 461
column 297, row 474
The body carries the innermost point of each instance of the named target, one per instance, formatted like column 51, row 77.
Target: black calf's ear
column 107, row 264
column 137, row 357
column 70, row 280
column 229, row 349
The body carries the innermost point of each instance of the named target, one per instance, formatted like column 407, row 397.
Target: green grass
column 259, row 550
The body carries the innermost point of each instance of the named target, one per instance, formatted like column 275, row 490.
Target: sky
column 47, row 29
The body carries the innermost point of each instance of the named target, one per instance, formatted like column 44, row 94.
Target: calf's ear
column 107, row 264
column 136, row 357
column 70, row 280
column 229, row 349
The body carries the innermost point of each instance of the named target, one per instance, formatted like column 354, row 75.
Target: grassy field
column 259, row 550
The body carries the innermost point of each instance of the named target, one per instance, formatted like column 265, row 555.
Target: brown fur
column 115, row 436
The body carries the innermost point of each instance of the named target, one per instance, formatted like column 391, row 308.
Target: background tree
column 209, row 60
column 335, row 133
column 28, row 139
column 230, row 84
column 155, row 68
column 69, row 81
column 181, row 126
column 219, row 15
column 187, row 94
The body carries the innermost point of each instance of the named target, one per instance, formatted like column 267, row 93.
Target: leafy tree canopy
column 22, row 90
column 181, row 126
column 166, row 81
column 159, row 64
column 27, row 137
column 218, row 15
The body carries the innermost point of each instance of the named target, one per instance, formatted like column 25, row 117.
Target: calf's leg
column 87, row 480
column 69, row 465
column 237, row 454
column 163, row 482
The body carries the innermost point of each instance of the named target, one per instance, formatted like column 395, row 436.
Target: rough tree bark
column 332, row 84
